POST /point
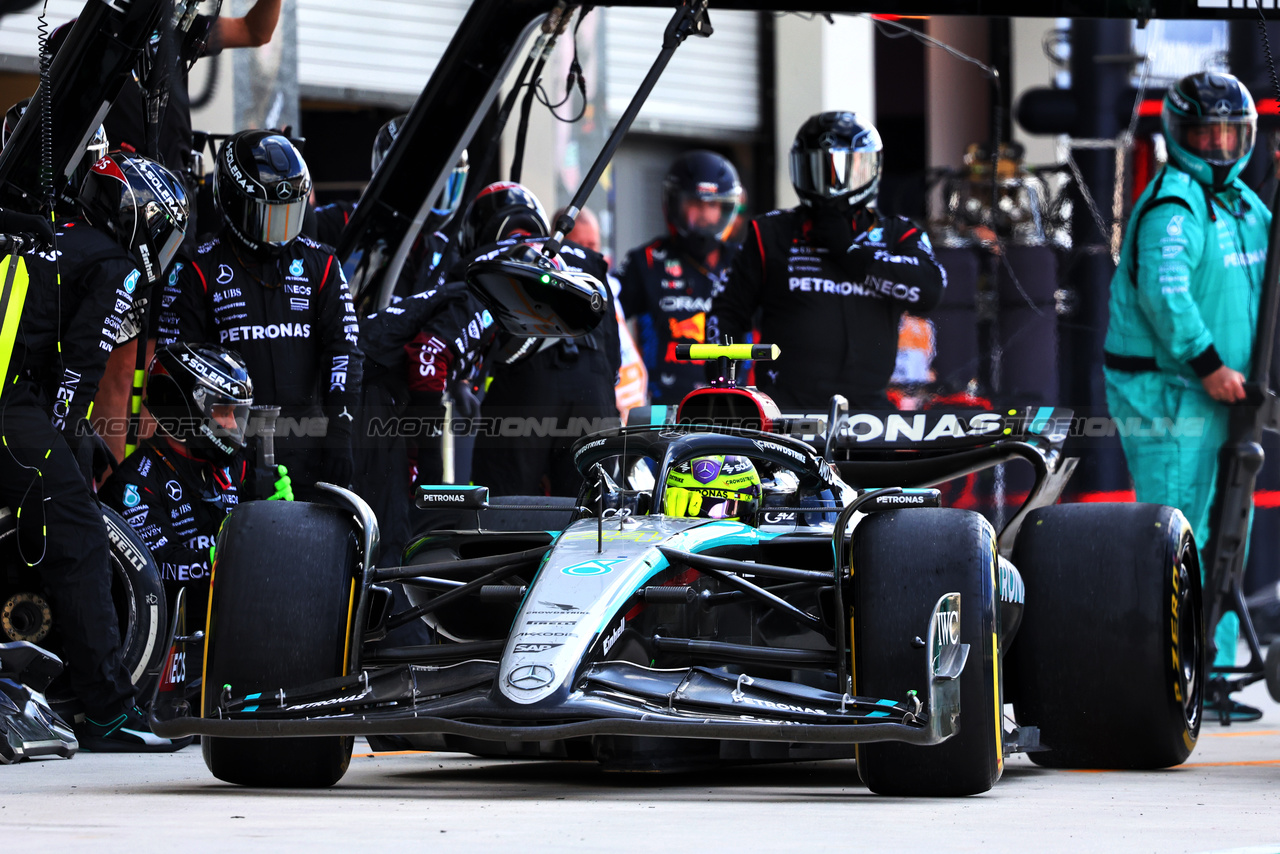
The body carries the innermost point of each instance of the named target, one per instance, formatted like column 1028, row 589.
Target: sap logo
column 1171, row 251
column 526, row 648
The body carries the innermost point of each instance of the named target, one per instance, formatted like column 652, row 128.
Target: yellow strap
column 13, row 296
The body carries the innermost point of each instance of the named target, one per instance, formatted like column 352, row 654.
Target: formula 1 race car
column 840, row 613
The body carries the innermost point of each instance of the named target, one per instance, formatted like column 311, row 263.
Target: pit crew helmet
column 713, row 487
column 139, row 204
column 701, row 176
column 200, row 395
column 499, row 211
column 836, row 160
column 446, row 203
column 1216, row 102
column 262, row 186
column 65, row 201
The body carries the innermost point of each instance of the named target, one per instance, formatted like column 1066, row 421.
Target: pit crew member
column 280, row 300
column 832, row 277
column 1184, row 305
column 667, row 283
column 65, row 308
column 179, row 485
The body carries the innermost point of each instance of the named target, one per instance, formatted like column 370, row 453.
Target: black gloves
column 833, row 229
column 13, row 222
column 463, row 397
column 336, row 466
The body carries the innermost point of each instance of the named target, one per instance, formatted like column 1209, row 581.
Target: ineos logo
column 531, row 677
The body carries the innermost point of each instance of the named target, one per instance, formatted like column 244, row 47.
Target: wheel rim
column 126, row 604
column 1190, row 651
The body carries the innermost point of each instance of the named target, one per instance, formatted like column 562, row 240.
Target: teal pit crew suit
column 1184, row 301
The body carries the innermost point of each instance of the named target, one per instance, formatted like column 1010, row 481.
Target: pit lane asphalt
column 1225, row 798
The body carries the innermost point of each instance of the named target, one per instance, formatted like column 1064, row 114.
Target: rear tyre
column 280, row 601
column 1109, row 662
column 903, row 562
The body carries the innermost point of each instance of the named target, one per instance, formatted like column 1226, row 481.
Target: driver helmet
column 499, row 211
column 446, row 204
column 836, row 161
column 700, row 198
column 65, row 200
column 713, row 487
column 262, row 186
column 200, row 395
column 1209, row 122
column 139, row 204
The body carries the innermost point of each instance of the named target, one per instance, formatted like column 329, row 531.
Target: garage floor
column 1226, row 798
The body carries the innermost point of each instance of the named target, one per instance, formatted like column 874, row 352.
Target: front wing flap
column 608, row 698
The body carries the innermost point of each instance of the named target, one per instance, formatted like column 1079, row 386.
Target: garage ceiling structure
column 484, row 49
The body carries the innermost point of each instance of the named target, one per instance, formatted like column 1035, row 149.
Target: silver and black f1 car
column 847, row 614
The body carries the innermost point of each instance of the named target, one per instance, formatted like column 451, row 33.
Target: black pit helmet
column 446, row 203
column 498, row 211
column 836, row 160
column 701, row 176
column 262, row 185
column 1210, row 101
column 65, row 202
column 200, row 396
column 139, row 204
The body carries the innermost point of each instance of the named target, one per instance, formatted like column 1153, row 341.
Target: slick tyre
column 903, row 562
column 136, row 592
column 280, row 602
column 1109, row 662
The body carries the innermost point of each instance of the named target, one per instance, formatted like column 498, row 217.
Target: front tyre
column 903, row 562
column 1110, row 659
column 280, row 604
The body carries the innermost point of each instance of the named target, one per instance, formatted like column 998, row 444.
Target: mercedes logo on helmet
column 284, row 190
column 829, row 140
column 531, row 677
column 1222, row 108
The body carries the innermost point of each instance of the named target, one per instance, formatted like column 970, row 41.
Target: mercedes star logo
column 1222, row 108
column 531, row 677
column 174, row 490
column 284, row 190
